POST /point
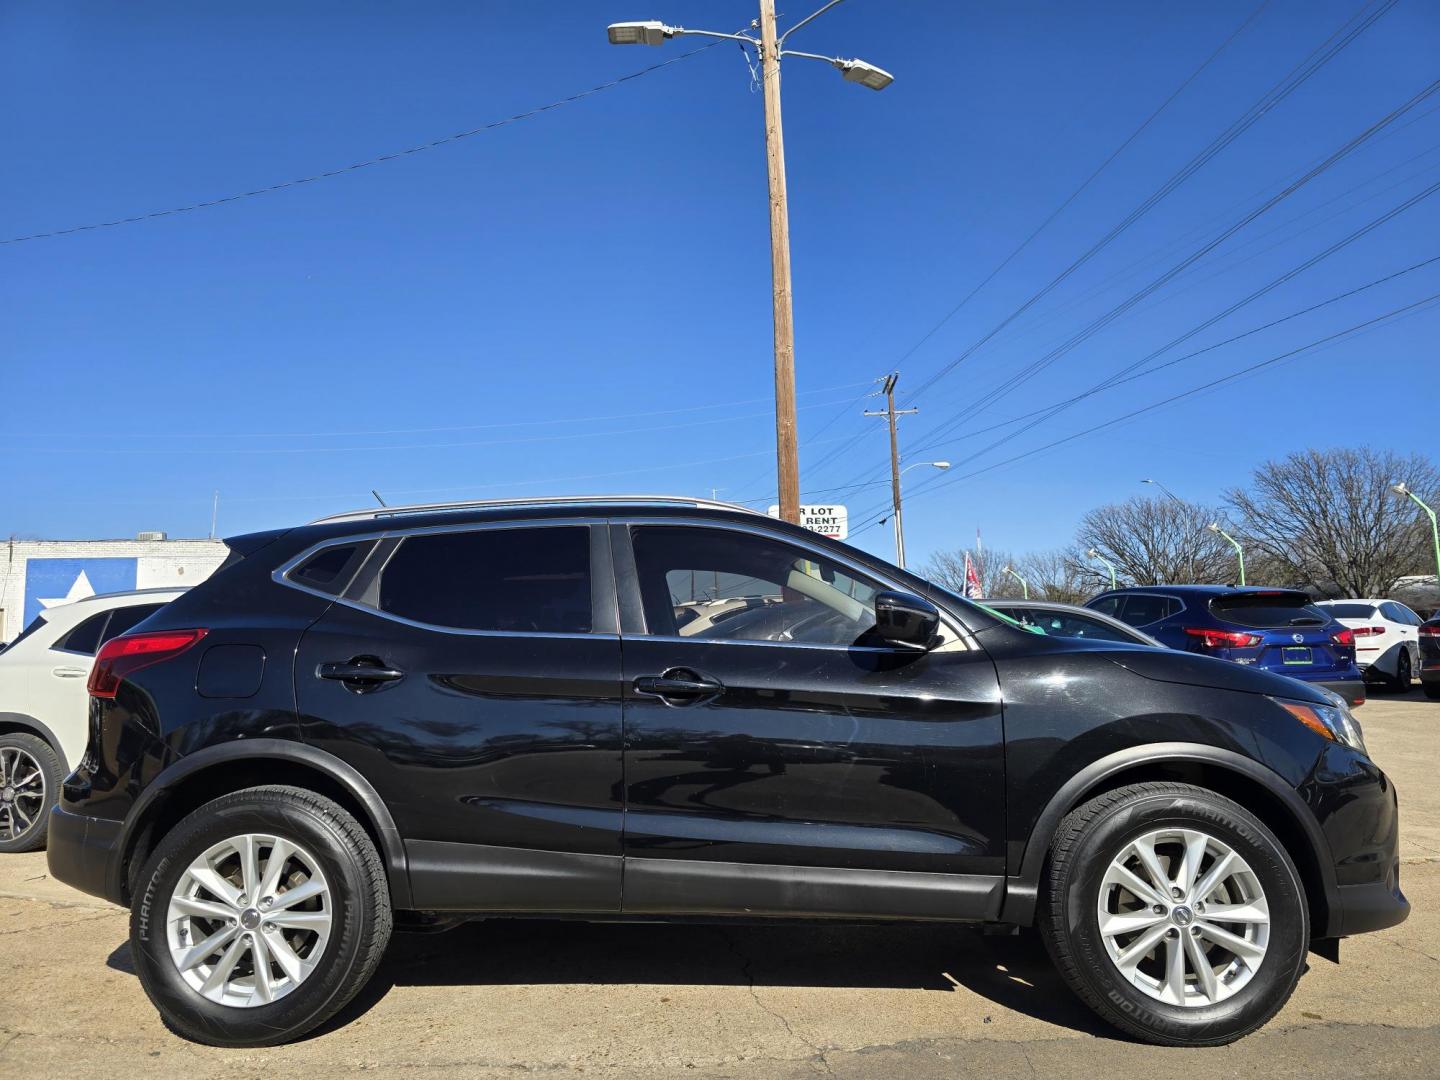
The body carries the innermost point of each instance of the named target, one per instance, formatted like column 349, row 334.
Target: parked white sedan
column 43, row 713
column 1387, row 638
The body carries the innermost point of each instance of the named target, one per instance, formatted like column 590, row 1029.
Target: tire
column 1079, row 879
column 1401, row 682
column 25, row 809
column 325, row 851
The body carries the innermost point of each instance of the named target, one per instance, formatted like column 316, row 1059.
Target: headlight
column 1334, row 721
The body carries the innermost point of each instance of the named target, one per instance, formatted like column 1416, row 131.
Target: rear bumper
column 84, row 853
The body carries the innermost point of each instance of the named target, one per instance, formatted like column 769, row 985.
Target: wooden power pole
column 890, row 414
column 787, row 455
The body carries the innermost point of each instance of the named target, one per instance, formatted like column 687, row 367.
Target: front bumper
column 84, row 853
column 1352, row 690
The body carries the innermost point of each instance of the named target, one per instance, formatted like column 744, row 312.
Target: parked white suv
column 43, row 703
column 1387, row 638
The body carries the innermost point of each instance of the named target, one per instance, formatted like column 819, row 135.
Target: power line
column 381, row 159
column 1036, row 366
column 1250, row 369
column 1084, row 184
column 1291, row 82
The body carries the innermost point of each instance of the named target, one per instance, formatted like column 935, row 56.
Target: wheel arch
column 11, row 722
column 219, row 770
column 1260, row 790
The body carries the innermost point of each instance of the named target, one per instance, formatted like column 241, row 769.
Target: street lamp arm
column 808, row 19
column 680, row 31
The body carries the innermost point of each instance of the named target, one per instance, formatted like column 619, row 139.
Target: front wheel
column 1401, row 683
column 1175, row 914
column 261, row 914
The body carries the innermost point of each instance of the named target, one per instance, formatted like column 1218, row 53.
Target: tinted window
column 85, row 638
column 1268, row 611
column 330, row 570
column 125, row 619
column 1350, row 611
column 1144, row 608
column 516, row 580
column 1107, row 605
column 717, row 584
column 1067, row 624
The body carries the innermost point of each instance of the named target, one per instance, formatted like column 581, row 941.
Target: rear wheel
column 1175, row 914
column 261, row 915
column 30, row 775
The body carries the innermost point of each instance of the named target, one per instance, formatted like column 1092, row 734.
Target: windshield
column 1268, row 611
column 1350, row 611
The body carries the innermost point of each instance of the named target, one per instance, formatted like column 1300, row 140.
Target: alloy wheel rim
column 22, row 792
column 1183, row 917
column 249, row 920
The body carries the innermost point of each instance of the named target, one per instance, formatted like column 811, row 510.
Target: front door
column 778, row 758
column 475, row 681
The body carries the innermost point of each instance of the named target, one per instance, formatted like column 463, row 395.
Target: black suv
column 641, row 707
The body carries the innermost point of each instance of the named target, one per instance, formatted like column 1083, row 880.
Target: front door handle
column 68, row 672
column 360, row 673
column 678, row 686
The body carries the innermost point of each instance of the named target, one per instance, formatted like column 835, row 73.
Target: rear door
column 472, row 675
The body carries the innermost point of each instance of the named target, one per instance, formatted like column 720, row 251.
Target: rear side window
column 330, row 569
column 510, row 580
column 1349, row 611
column 125, row 619
column 1141, row 609
column 1269, row 611
column 85, row 638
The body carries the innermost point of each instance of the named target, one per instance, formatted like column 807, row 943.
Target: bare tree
column 1156, row 542
column 1328, row 518
column 1057, row 575
column 1050, row 575
column 947, row 568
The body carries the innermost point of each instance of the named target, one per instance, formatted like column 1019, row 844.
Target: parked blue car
column 1276, row 629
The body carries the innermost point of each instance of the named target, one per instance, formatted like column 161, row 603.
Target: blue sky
column 580, row 302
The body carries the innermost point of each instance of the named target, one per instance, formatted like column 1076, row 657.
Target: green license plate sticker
column 1297, row 656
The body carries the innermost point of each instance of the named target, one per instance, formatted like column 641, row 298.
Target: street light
column 1214, row 527
column 772, row 51
column 1181, row 502
column 1403, row 490
column 1024, row 586
column 1114, row 584
column 899, row 519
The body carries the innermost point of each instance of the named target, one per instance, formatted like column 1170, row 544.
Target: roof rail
column 372, row 513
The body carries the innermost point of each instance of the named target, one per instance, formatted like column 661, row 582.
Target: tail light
column 1430, row 630
column 1368, row 631
column 1345, row 636
column 1223, row 639
column 123, row 656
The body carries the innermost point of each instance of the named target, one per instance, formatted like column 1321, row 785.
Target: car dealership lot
column 502, row 998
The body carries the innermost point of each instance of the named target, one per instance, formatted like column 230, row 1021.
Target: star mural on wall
column 80, row 588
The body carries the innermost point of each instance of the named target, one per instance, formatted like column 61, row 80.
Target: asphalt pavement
column 510, row 998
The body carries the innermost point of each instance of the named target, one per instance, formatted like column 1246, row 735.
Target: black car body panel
column 523, row 771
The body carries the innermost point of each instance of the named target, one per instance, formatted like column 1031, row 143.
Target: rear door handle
column 358, row 673
column 678, row 686
column 68, row 672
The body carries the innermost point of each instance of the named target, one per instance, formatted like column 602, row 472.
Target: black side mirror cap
column 903, row 618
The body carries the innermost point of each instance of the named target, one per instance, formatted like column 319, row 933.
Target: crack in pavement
column 817, row 1055
column 59, row 923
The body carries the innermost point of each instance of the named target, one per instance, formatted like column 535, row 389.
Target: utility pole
column 214, row 513
column 787, row 451
column 771, row 47
column 890, row 414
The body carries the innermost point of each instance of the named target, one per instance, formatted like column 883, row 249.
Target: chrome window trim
column 955, row 629
column 279, row 574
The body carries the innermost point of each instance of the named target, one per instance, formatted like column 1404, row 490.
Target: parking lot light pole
column 772, row 51
column 1180, row 502
column 1214, row 527
column 1403, row 490
column 1024, row 585
column 1114, row 583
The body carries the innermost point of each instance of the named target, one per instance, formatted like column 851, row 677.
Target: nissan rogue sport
column 424, row 714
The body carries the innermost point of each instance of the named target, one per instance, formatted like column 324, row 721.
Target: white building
column 38, row 574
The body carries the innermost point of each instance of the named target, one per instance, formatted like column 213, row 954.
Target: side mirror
column 903, row 618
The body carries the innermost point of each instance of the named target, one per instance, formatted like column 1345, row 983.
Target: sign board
column 827, row 520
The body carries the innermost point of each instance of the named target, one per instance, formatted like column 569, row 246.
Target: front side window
column 717, row 584
column 529, row 580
